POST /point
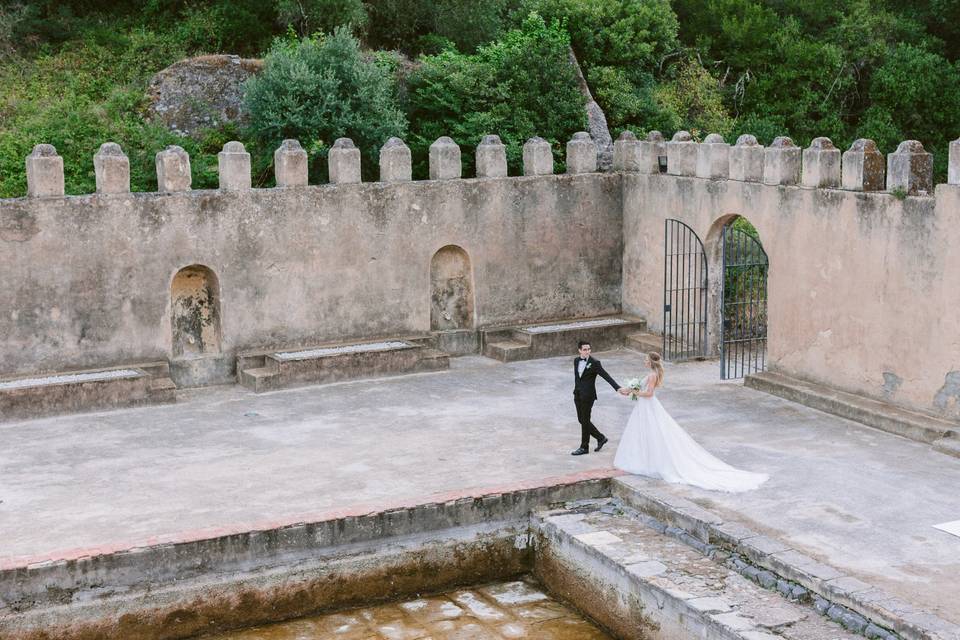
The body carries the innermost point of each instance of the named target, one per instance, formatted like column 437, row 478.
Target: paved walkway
column 860, row 499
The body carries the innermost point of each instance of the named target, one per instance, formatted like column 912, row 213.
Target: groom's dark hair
column 583, row 343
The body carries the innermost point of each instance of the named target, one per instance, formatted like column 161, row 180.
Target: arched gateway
column 685, row 281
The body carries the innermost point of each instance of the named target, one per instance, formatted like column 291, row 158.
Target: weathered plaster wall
column 864, row 288
column 85, row 281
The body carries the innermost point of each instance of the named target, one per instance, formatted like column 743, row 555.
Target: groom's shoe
column 581, row 451
column 602, row 441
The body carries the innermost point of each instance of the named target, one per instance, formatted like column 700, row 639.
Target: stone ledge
column 28, row 582
column 943, row 435
column 828, row 582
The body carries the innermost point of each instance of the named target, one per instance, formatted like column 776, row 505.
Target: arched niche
column 195, row 312
column 451, row 290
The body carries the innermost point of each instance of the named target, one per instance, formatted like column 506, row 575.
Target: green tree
column 309, row 17
column 914, row 94
column 415, row 26
column 521, row 86
column 319, row 89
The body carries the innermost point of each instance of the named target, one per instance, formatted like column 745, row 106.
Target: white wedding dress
column 654, row 445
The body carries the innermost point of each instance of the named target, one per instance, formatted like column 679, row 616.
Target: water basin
column 519, row 609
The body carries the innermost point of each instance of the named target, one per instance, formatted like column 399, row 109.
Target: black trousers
column 584, row 407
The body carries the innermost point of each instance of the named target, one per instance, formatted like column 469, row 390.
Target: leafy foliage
column 521, row 86
column 310, row 17
column 319, row 89
column 416, row 26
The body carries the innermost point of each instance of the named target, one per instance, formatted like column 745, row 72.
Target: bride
column 653, row 444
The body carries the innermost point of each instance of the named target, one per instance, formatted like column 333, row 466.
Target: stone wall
column 863, row 287
column 89, row 281
column 864, row 280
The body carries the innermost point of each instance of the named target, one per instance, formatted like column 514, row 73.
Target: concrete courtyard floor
column 859, row 499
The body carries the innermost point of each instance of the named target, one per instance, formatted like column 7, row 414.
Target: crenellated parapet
column 582, row 154
column 112, row 169
column 682, row 155
column 746, row 159
column 44, row 172
column 821, row 165
column 908, row 170
column 491, row 157
column 713, row 158
column 234, row 165
column 863, row 167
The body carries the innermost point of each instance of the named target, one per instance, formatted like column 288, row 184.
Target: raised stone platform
column 222, row 461
column 88, row 390
column 662, row 583
column 527, row 342
column 269, row 370
column 859, row 606
column 944, row 436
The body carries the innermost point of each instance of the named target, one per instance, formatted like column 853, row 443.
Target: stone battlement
column 908, row 170
column 862, row 277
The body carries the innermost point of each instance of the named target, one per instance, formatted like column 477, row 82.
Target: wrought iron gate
column 743, row 348
column 684, row 293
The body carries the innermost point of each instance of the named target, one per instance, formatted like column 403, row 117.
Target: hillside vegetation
column 74, row 73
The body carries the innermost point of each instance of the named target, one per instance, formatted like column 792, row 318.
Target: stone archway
column 195, row 312
column 451, row 290
column 737, row 296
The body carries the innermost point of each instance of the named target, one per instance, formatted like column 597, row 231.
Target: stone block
column 395, row 161
column 234, row 165
column 910, row 168
column 112, row 169
column 537, row 157
column 781, row 162
column 746, row 159
column 821, row 165
column 626, row 152
column 343, row 162
column 713, row 157
column 173, row 170
column 651, row 150
column 581, row 153
column 44, row 172
column 290, row 164
column 953, row 170
column 682, row 155
column 864, row 167
column 445, row 159
column 491, row 158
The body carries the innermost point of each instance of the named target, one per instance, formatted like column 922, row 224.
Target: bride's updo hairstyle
column 656, row 365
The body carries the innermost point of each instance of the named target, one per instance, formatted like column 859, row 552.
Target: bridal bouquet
column 636, row 384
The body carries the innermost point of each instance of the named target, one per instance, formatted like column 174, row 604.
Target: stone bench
column 33, row 396
column 544, row 340
column 269, row 370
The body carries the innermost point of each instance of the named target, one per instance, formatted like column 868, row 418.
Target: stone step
column 506, row 351
column 269, row 370
column 943, row 435
column 770, row 561
column 666, row 588
column 24, row 397
column 560, row 338
column 644, row 342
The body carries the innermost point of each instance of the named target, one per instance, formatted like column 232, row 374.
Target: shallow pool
column 490, row 612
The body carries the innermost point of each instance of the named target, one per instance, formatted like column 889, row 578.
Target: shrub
column 319, row 89
column 518, row 87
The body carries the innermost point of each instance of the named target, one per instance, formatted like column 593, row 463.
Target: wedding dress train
column 654, row 445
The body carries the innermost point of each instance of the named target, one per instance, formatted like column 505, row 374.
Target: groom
column 585, row 372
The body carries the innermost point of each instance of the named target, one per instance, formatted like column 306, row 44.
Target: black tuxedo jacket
column 585, row 386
